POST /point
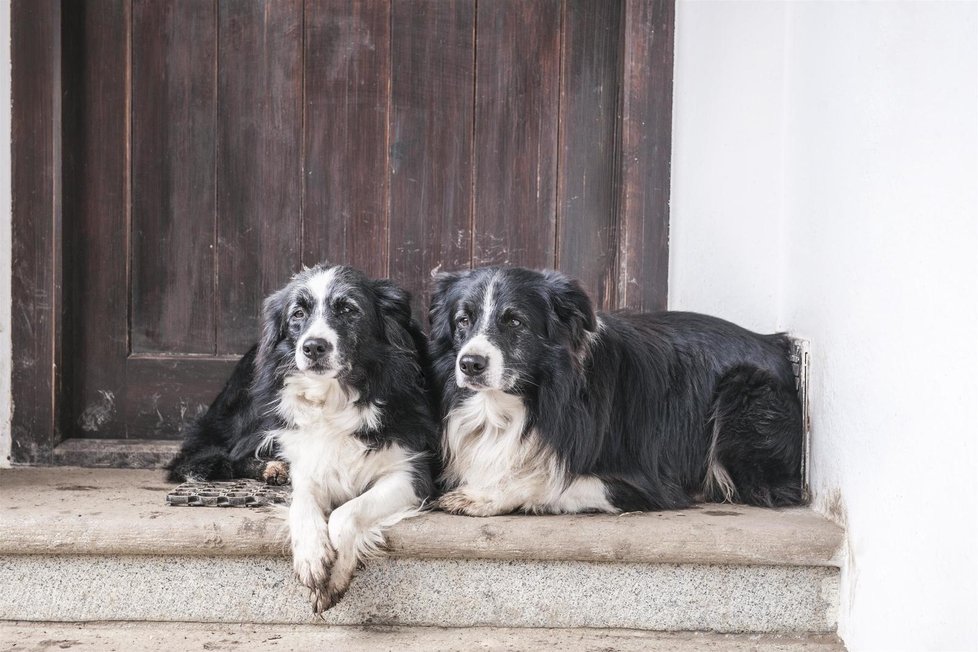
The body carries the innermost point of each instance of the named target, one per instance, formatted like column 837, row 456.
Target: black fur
column 387, row 354
column 633, row 399
column 223, row 442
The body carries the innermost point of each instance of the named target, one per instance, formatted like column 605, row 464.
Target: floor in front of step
column 137, row 636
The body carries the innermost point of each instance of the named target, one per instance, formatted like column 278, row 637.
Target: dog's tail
column 756, row 441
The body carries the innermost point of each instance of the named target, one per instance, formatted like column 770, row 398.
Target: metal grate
column 231, row 493
column 800, row 357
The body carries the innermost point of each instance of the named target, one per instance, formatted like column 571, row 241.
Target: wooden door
column 202, row 150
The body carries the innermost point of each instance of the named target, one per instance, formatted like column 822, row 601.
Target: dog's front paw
column 312, row 570
column 462, row 502
column 276, row 472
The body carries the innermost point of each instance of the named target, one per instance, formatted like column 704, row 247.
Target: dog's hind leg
column 756, row 441
column 356, row 528
column 209, row 463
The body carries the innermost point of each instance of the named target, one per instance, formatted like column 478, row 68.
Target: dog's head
column 328, row 319
column 503, row 325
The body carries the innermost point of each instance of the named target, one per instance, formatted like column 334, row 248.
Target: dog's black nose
column 473, row 365
column 315, row 348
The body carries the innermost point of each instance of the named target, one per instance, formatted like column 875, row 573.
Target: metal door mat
column 230, row 493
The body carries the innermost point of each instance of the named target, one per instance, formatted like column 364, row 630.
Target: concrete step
column 126, row 637
column 94, row 545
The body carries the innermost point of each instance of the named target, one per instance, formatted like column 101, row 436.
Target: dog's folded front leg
column 311, row 552
column 356, row 528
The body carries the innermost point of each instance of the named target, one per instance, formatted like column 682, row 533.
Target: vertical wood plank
column 432, row 79
column 258, row 168
column 96, row 175
column 36, row 218
column 174, row 51
column 347, row 101
column 516, row 110
column 586, row 197
column 646, row 149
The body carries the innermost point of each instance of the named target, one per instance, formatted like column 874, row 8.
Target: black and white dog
column 337, row 385
column 552, row 408
column 347, row 362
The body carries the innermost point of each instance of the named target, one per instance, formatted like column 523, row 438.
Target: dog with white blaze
column 342, row 364
column 552, row 408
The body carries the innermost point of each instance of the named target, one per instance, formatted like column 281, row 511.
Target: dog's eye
column 299, row 313
column 513, row 322
column 344, row 308
column 462, row 321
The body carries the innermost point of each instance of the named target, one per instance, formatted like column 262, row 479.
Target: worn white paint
column 825, row 181
column 5, row 241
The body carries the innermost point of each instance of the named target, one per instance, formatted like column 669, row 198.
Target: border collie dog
column 347, row 362
column 551, row 408
column 337, row 386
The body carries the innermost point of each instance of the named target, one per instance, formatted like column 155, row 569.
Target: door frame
column 642, row 166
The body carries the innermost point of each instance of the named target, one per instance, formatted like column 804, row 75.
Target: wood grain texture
column 96, row 229
column 586, row 199
column 35, row 50
column 166, row 393
column 516, row 110
column 174, row 115
column 646, row 152
column 433, row 74
column 258, row 161
column 347, row 102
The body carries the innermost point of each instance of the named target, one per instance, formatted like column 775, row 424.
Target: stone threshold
column 125, row 636
column 79, row 511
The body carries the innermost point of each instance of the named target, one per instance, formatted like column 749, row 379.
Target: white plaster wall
column 851, row 192
column 5, row 243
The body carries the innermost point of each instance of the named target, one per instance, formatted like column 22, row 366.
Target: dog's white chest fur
column 319, row 443
column 489, row 453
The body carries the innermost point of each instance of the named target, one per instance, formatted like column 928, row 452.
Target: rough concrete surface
column 105, row 511
column 457, row 593
column 127, row 637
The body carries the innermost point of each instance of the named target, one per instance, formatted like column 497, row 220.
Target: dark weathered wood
column 347, row 102
column 397, row 137
column 433, row 47
column 174, row 114
column 586, row 175
column 516, row 98
column 166, row 393
column 96, row 229
column 646, row 150
column 116, row 453
column 35, row 50
column 258, row 168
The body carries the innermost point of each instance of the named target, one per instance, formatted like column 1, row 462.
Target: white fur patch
column 496, row 469
column 320, row 285
column 335, row 475
column 493, row 375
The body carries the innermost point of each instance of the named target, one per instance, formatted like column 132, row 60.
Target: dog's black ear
column 272, row 326
column 572, row 306
column 395, row 311
column 442, row 285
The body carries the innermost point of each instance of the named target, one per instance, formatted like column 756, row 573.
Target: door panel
column 211, row 147
column 431, row 151
column 347, row 100
column 516, row 108
column 259, row 180
column 174, row 179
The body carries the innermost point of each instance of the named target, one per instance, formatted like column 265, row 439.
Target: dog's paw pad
column 276, row 473
column 460, row 502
